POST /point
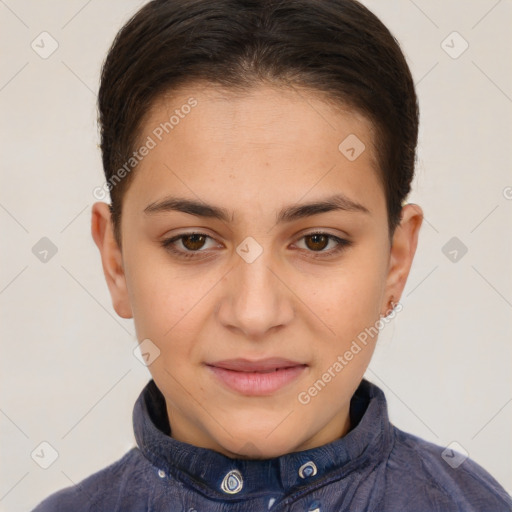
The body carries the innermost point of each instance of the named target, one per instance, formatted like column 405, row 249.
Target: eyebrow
column 288, row 214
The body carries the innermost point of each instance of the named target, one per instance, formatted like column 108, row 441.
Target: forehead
column 264, row 143
column 256, row 115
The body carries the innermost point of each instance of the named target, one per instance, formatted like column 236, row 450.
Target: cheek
column 162, row 305
column 155, row 288
column 164, row 312
column 348, row 298
column 170, row 306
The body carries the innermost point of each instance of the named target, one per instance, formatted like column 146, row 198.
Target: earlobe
column 403, row 249
column 111, row 259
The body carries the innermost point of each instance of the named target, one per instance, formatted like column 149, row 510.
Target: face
column 255, row 252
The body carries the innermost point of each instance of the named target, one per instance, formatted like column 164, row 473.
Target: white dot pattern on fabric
column 315, row 506
column 271, row 501
column 232, row 482
column 307, row 469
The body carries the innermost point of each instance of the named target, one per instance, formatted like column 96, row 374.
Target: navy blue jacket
column 374, row 467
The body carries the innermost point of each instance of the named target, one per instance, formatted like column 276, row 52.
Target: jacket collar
column 217, row 475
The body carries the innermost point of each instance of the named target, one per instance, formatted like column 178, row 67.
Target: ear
column 403, row 248
column 111, row 258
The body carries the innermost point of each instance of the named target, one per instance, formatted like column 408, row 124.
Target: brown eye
column 323, row 245
column 188, row 245
column 317, row 242
column 193, row 242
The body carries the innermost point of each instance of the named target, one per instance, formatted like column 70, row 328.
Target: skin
column 255, row 154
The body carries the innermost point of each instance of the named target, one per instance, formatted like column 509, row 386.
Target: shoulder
column 437, row 475
column 101, row 491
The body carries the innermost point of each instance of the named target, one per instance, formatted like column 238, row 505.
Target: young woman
column 258, row 156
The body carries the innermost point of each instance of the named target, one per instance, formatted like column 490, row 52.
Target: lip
column 257, row 377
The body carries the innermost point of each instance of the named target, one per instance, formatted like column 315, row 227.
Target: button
column 315, row 506
column 232, row 482
column 161, row 473
column 308, row 469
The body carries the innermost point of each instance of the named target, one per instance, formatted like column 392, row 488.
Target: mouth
column 256, row 378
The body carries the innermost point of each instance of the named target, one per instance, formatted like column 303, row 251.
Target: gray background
column 68, row 373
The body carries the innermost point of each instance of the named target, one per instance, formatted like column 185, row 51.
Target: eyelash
column 341, row 245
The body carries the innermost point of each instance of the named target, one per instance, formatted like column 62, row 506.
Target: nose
column 255, row 298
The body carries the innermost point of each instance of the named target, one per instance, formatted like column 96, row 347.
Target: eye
column 318, row 241
column 194, row 243
column 191, row 243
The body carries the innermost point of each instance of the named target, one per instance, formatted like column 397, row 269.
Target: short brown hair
column 336, row 47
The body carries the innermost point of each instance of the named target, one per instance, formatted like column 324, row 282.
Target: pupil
column 317, row 240
column 197, row 241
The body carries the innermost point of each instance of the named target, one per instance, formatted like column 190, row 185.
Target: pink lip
column 262, row 377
